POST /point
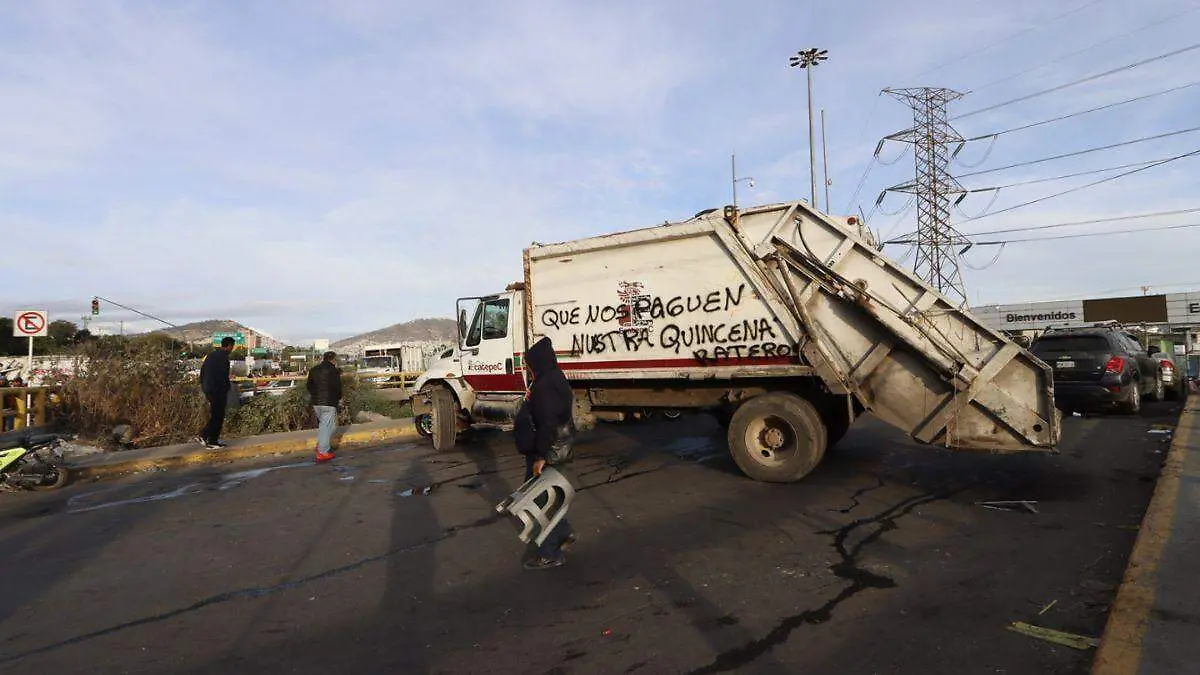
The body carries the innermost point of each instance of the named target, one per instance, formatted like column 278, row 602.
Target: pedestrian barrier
column 26, row 406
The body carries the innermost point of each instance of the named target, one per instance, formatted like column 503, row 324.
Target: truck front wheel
column 445, row 419
column 777, row 438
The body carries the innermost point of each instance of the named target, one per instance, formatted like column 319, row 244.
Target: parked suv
column 1099, row 368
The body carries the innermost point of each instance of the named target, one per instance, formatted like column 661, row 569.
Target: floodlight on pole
column 809, row 59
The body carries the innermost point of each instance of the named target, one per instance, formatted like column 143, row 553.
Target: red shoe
column 323, row 457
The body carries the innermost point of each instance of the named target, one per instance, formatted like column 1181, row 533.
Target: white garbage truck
column 782, row 321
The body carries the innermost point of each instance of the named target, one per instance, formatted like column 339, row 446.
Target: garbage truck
column 784, row 322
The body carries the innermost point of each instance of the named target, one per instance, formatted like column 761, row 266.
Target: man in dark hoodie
column 547, row 407
column 214, row 382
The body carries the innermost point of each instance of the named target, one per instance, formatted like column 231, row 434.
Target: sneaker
column 214, row 446
column 540, row 563
column 200, row 440
column 570, row 541
column 323, row 457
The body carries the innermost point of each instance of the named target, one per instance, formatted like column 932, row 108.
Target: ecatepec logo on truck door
column 476, row 367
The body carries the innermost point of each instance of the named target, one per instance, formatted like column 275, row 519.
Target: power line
column 1093, row 221
column 1082, row 152
column 1082, row 112
column 1000, row 242
column 1135, row 216
column 1064, row 57
column 1035, row 26
column 1088, row 185
column 1082, row 80
column 1085, row 234
column 1063, row 176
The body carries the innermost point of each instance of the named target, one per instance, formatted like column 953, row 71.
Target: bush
column 143, row 385
column 146, row 386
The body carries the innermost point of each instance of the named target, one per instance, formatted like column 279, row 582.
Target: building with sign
column 1170, row 320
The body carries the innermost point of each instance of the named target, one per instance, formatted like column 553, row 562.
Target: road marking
column 1120, row 650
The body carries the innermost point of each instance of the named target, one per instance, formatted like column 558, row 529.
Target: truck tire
column 837, row 422
column 777, row 438
column 445, row 419
column 722, row 416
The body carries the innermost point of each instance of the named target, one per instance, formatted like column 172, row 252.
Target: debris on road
column 1047, row 607
column 1011, row 505
column 1059, row 637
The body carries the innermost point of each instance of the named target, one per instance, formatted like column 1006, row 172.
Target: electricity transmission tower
column 932, row 136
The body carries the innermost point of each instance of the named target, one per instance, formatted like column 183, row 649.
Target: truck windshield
column 490, row 322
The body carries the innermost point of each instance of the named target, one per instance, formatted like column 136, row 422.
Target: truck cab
column 482, row 379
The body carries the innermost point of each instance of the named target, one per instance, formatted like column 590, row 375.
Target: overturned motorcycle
column 32, row 460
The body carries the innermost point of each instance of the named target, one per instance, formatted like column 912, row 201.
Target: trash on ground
column 1059, row 637
column 1047, row 607
column 1011, row 505
column 1159, row 431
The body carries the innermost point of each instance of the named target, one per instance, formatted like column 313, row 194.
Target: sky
column 320, row 169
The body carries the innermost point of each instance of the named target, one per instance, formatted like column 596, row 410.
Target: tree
column 10, row 345
column 61, row 336
column 238, row 353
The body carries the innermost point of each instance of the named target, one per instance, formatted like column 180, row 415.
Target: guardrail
column 401, row 379
column 25, row 406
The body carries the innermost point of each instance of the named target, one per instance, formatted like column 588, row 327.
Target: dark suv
column 1099, row 367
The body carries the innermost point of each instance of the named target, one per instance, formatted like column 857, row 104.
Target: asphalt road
column 394, row 561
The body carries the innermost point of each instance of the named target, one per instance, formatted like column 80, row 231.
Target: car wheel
column 1133, row 401
column 1157, row 394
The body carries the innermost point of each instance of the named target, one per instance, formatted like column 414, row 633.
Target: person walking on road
column 547, row 407
column 214, row 382
column 325, row 390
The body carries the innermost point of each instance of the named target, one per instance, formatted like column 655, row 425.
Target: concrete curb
column 346, row 438
column 1120, row 648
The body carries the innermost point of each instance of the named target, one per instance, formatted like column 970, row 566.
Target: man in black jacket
column 325, row 390
column 214, row 382
column 547, row 407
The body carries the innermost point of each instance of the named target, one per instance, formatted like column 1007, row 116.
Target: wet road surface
column 393, row 560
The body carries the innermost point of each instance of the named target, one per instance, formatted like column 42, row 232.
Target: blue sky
column 330, row 168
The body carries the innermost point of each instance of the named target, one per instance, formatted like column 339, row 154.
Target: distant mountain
column 417, row 330
column 202, row 331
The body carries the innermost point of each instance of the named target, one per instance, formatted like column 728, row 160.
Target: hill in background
column 417, row 330
column 202, row 331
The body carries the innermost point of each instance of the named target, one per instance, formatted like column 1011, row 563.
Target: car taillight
column 1115, row 365
column 1167, row 365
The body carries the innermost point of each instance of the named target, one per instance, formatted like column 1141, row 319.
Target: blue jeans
column 326, row 420
column 552, row 547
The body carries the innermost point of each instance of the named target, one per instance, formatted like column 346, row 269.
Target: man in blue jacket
column 214, row 382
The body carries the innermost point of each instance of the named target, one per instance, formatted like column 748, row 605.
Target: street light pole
column 734, row 180
column 809, row 59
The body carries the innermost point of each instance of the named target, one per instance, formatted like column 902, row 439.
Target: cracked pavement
column 394, row 561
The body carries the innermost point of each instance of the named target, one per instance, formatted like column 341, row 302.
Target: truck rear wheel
column 445, row 419
column 777, row 438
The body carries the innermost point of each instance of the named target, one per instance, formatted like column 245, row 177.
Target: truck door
column 488, row 345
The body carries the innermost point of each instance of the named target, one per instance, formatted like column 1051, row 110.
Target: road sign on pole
column 30, row 323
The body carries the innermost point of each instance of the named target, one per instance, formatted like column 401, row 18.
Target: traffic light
column 95, row 306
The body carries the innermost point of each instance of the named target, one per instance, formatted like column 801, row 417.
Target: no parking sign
column 30, row 323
